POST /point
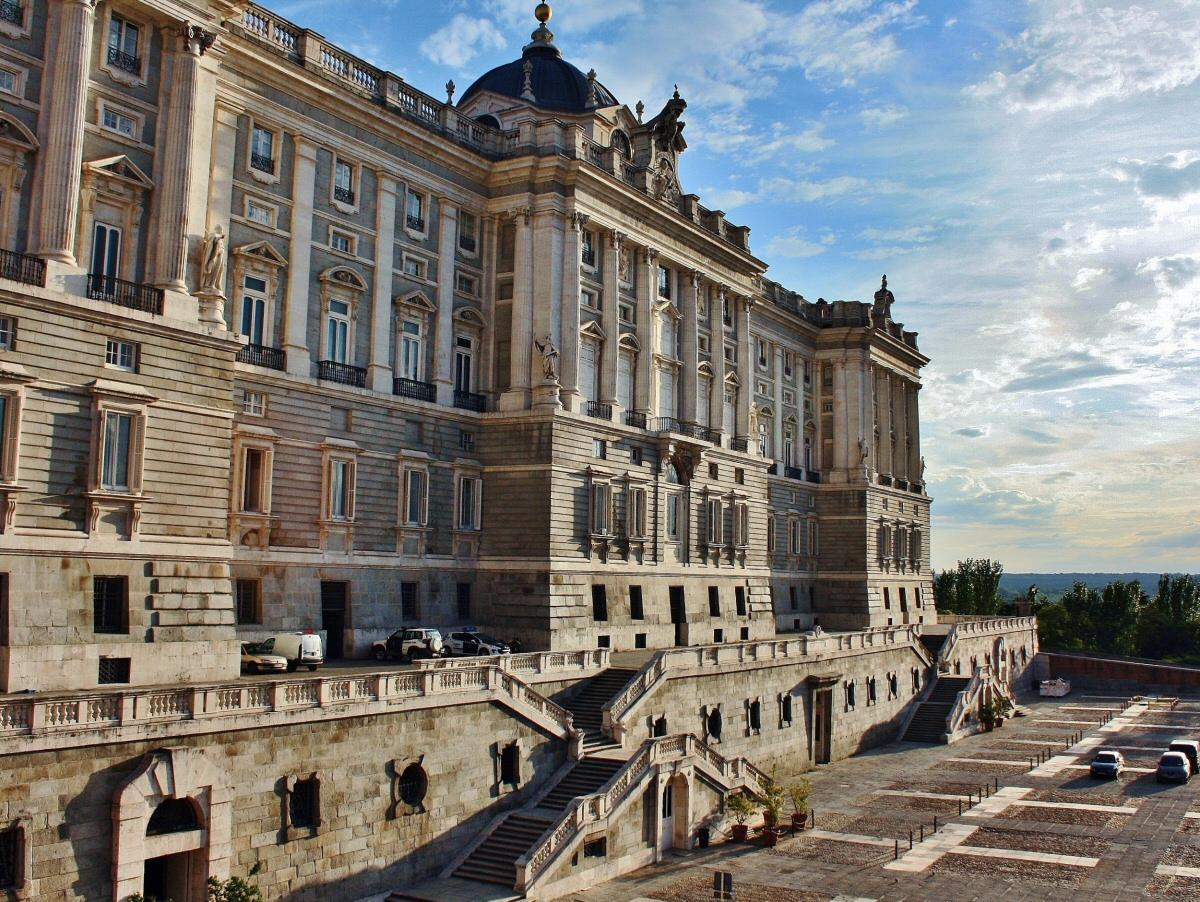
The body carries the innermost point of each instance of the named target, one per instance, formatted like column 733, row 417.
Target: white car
column 254, row 660
column 468, row 643
column 407, row 644
column 299, row 649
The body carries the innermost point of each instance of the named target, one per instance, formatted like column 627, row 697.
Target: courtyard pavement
column 1033, row 824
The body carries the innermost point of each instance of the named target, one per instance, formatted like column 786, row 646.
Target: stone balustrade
column 553, row 664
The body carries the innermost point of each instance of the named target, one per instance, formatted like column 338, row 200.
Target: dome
column 556, row 84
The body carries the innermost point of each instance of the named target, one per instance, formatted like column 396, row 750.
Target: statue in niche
column 549, row 359
column 212, row 263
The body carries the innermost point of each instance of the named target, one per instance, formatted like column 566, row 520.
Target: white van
column 300, row 649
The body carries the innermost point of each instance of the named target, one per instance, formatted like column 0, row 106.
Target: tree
column 1169, row 626
column 973, row 587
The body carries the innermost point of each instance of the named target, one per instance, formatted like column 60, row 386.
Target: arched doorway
column 675, row 814
column 171, row 828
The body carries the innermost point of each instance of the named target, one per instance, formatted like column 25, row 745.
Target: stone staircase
column 933, row 643
column 494, row 860
column 587, row 702
column 929, row 722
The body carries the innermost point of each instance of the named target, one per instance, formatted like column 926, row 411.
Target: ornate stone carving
column 549, row 353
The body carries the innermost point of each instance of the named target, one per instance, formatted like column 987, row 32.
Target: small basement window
column 510, row 764
column 596, row 848
column 304, row 804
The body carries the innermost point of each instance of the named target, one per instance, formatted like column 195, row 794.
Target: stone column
column 521, row 348
column 716, row 403
column 224, row 158
column 646, row 265
column 295, row 330
column 884, row 390
column 690, row 285
column 443, row 361
column 610, row 320
column 914, row 426
column 489, row 239
column 899, row 461
column 778, row 424
column 170, row 232
column 745, row 369
column 569, row 361
column 547, row 298
column 841, row 420
column 60, row 129
column 379, row 369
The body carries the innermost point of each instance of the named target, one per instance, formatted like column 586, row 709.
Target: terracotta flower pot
column 799, row 819
column 769, row 819
column 770, row 837
column 741, row 832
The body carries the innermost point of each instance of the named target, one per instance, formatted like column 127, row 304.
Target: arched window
column 173, row 816
column 620, row 144
column 712, row 724
column 489, row 120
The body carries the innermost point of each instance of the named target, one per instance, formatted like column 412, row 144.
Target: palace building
column 288, row 344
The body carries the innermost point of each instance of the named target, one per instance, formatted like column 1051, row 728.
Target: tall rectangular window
column 664, row 283
column 464, row 353
column 469, row 491
column 415, row 211
column 343, row 181
column 770, row 535
column 414, row 497
column 410, row 350
column 588, row 248
column 795, row 543
column 599, row 604
column 123, row 45
column 672, row 518
column 637, row 513
column 4, row 615
column 601, row 509
column 262, row 150
column 248, row 595
column 468, row 239
column 110, row 604
column 715, row 517
column 813, row 539
column 118, row 438
column 739, row 597
column 254, row 481
column 8, row 333
column 714, row 601
column 337, row 332
column 408, row 601
column 254, row 310
column 106, row 253
column 635, row 603
column 341, row 490
column 741, row 525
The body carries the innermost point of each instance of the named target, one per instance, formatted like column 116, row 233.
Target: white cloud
column 793, row 244
column 461, row 40
column 882, row 117
column 841, row 41
column 913, row 234
column 1082, row 52
column 733, row 135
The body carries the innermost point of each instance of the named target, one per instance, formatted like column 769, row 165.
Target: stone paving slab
column 929, row 852
column 1075, row 861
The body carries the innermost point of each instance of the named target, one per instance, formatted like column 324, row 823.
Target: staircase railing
column 967, row 701
column 641, row 685
column 536, row 663
column 945, row 652
column 607, row 803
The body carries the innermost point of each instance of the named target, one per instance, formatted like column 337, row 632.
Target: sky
column 1026, row 173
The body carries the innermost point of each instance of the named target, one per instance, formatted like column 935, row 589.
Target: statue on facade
column 212, row 264
column 883, row 301
column 922, row 468
column 864, row 452
column 549, row 358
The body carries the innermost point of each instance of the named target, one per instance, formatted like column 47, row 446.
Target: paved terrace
column 1042, row 832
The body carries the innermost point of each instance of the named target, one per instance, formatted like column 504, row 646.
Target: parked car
column 1173, row 767
column 298, row 649
column 1190, row 749
column 472, row 643
column 255, row 660
column 1107, row 763
column 407, row 644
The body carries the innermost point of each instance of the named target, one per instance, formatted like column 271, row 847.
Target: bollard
column 960, row 807
column 910, row 840
column 996, row 780
column 896, row 855
column 935, row 823
column 922, row 833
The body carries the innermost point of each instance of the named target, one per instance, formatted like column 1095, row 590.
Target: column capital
column 616, row 239
column 385, row 182
column 578, row 220
column 520, row 213
column 306, row 147
column 649, row 255
column 196, row 39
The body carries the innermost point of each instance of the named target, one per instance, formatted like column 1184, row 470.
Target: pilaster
column 610, row 319
column 521, row 347
column 745, row 370
column 647, row 262
column 379, row 369
column 690, row 286
column 443, row 369
column 884, row 391
column 777, row 425
column 299, row 362
column 571, row 256
column 547, row 278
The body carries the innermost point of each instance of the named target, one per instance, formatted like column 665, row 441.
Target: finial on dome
column 543, row 13
column 543, row 37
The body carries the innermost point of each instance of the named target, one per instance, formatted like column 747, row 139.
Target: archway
column 171, row 828
column 674, row 814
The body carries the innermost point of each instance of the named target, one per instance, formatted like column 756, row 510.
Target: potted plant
column 772, row 801
column 987, row 716
column 741, row 806
column 799, row 793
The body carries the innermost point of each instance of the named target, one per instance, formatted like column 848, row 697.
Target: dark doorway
column 822, row 724
column 678, row 614
column 335, row 596
column 170, row 877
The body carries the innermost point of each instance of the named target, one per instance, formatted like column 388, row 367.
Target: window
column 415, row 267
column 785, row 709
column 463, row 356
column 255, row 480
column 763, row 354
column 813, row 543
column 463, row 599
column 770, row 535
column 599, row 604
column 11, row 859
column 408, row 601
column 110, row 604
column 848, row 689
column 599, row 449
column 115, row 454
column 466, row 440
column 8, row 333
column 410, row 350
column 714, row 521
column 635, row 456
column 604, row 641
column 123, row 46
column 304, row 804
column 741, row 525
column 793, row 602
column 343, row 182
column 703, row 342
column 470, row 494
column 337, row 332
column 807, row 372
column 787, row 364
column 468, row 227
column 714, row 601
column 121, row 355
column 254, row 310
column 726, row 312
column 635, row 603
column 764, row 440
column 414, row 784
column 636, row 527
column 872, row 697
column 601, row 509
column 510, row 764
column 343, row 242
column 714, row 471
column 415, row 211
column 341, row 489
column 415, row 500
column 672, row 518
column 588, row 248
column 261, row 213
column 589, row 298
column 739, row 595
column 795, row 537
column 664, row 283
column 639, row 641
column 754, row 716
column 254, row 403
column 248, row 597
column 465, row 284
column 118, row 122
column 262, row 150
column 625, row 313
column 916, row 680
column 893, row 685
column 9, row 81
column 112, row 670
column 106, row 253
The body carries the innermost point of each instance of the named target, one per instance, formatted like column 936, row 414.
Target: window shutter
column 137, row 455
column 351, row 487
column 268, row 477
column 12, row 437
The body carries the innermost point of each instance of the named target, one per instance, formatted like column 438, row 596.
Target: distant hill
column 1053, row 585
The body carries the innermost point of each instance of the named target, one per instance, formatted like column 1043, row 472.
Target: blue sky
column 1026, row 173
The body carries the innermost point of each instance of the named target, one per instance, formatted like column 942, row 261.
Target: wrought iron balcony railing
column 417, row 391
column 22, row 268
column 467, row 243
column 740, row 445
column 126, row 62
column 260, row 355
column 635, row 419
column 262, row 163
column 598, row 410
column 813, row 476
column 12, row 12
column 345, row 195
column 332, row 371
column 133, row 295
column 466, row 400
column 794, row 472
column 665, row 424
column 416, row 223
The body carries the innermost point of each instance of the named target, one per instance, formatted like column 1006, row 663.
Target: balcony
column 741, row 445
column 635, row 419
column 133, row 295
column 665, row 424
column 260, row 355
column 262, row 163
column 813, row 477
column 794, row 473
column 343, row 373
column 467, row 243
column 597, row 410
column 773, row 470
column 416, row 223
column 126, row 62
column 465, row 400
column 344, row 195
column 12, row 12
column 702, row 433
column 23, row 268
column 414, row 390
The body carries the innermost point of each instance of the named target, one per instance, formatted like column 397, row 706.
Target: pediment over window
column 629, row 342
column 705, row 369
column 261, row 252
column 418, row 300
column 669, row 308
column 731, row 378
column 121, row 168
column 591, row 329
column 14, row 133
column 469, row 316
column 344, row 277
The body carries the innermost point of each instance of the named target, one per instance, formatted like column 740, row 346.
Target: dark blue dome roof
column 557, row 85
